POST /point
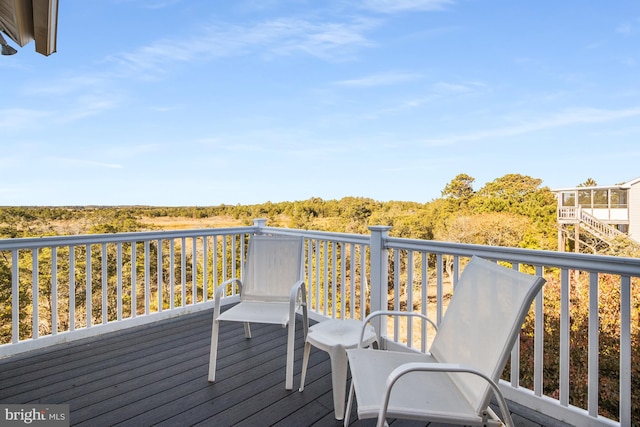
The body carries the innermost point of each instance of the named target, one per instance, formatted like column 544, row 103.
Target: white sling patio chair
column 271, row 291
column 453, row 382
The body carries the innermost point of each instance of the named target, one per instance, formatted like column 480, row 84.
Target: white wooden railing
column 65, row 288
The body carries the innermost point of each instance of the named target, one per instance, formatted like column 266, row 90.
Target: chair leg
column 290, row 349
column 305, row 320
column 339, row 363
column 213, row 352
column 247, row 330
column 305, row 363
column 347, row 412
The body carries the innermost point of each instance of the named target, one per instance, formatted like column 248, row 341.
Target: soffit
column 26, row 20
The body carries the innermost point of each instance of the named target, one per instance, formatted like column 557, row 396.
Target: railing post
column 379, row 274
column 259, row 224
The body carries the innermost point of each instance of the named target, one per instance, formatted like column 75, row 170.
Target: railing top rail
column 51, row 241
column 322, row 235
column 578, row 261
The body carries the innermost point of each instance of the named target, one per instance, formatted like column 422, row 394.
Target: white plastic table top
column 335, row 336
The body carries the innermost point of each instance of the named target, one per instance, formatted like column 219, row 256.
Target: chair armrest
column 299, row 288
column 218, row 294
column 408, row 368
column 221, row 287
column 392, row 313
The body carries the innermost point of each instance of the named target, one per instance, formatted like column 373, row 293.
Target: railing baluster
column 89, row 295
column 224, row 260
column 234, row 256
column 625, row 351
column 119, row 280
column 105, row 288
column 147, row 277
column 72, row 288
column 409, row 285
column 15, row 297
column 396, row 292
column 325, row 278
column 194, row 269
column 309, row 267
column 214, row 268
column 352, row 281
column 183, row 272
column 564, row 337
column 134, row 281
column 316, row 262
column 515, row 351
column 35, row 285
column 439, row 288
column 424, row 289
column 172, row 274
column 594, row 333
column 160, row 271
column 538, row 349
column 334, row 278
column 365, row 290
column 54, row 290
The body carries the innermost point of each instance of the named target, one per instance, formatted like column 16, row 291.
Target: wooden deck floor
column 157, row 375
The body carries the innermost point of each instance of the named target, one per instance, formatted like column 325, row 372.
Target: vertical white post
column 625, row 350
column 72, row 288
column 134, row 276
column 259, row 223
column 35, row 300
column 379, row 274
column 594, row 345
column 15, row 297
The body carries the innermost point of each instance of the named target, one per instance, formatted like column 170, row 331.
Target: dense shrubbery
column 510, row 211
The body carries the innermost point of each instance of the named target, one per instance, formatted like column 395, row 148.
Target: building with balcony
column 596, row 216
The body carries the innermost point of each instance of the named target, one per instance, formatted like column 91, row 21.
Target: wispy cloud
column 100, row 91
column 286, row 36
column 86, row 106
column 275, row 143
column 85, row 163
column 435, row 93
column 151, row 4
column 564, row 118
column 382, row 79
column 393, row 6
column 448, row 88
column 19, row 118
column 629, row 28
column 66, row 85
column 127, row 151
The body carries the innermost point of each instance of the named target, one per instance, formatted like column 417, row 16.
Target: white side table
column 335, row 336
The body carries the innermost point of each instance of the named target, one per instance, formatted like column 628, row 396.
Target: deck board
column 157, row 375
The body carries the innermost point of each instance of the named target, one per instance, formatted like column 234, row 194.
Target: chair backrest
column 273, row 265
column 482, row 322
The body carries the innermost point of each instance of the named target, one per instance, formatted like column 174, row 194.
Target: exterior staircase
column 601, row 232
column 598, row 228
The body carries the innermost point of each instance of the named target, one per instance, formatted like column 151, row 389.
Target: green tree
column 459, row 188
column 590, row 182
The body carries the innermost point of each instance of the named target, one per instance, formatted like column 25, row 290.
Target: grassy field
column 184, row 223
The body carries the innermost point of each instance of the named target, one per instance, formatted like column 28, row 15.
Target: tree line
column 514, row 210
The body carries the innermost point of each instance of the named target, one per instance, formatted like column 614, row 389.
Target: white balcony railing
column 573, row 361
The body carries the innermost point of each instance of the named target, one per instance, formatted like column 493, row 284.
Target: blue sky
column 200, row 102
